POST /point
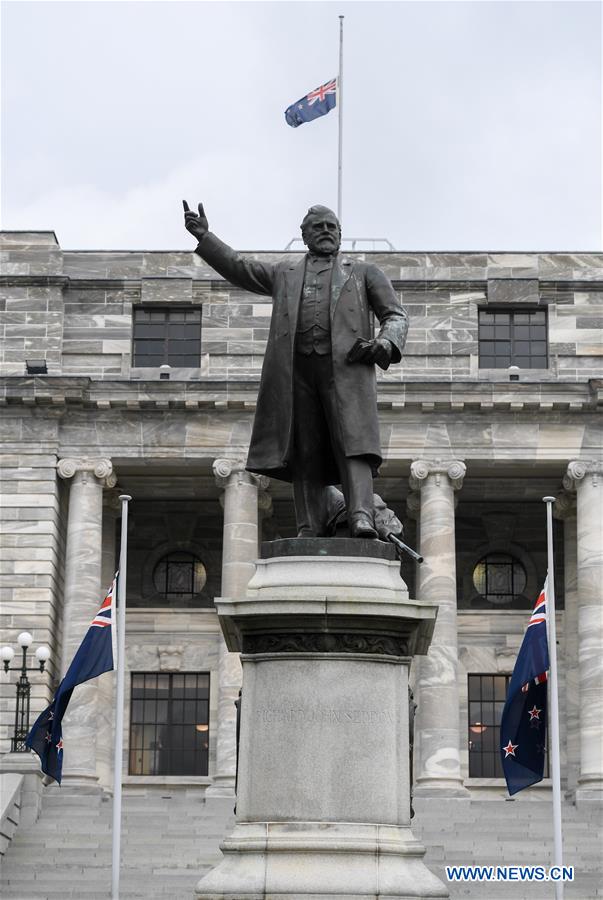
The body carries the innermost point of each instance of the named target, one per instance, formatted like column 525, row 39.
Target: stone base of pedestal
column 440, row 788
column 591, row 796
column 26, row 765
column 326, row 633
column 81, row 784
column 320, row 861
column 223, row 787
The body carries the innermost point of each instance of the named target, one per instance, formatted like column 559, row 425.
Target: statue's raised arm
column 244, row 273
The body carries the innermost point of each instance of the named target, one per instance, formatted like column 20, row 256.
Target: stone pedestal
column 326, row 632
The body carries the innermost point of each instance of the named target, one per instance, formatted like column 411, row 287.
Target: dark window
column 487, row 694
column 513, row 338
column 499, row 578
column 169, row 724
column 179, row 576
column 167, row 336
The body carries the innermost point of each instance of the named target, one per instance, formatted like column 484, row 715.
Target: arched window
column 179, row 577
column 499, row 578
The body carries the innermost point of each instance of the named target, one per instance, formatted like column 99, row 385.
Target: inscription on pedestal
column 319, row 715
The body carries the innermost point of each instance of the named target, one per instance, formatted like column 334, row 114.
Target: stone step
column 168, row 843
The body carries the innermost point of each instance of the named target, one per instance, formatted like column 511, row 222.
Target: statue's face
column 322, row 234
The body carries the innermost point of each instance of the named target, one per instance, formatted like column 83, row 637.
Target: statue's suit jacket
column 357, row 289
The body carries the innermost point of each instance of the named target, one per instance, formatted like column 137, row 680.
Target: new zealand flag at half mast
column 96, row 654
column 524, row 717
column 315, row 104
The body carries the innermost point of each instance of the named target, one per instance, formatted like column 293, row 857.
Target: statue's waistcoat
column 314, row 324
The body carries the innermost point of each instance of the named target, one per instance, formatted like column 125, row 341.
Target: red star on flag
column 534, row 713
column 60, row 745
column 48, row 737
column 510, row 749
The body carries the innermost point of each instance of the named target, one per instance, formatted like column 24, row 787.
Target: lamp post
column 23, row 687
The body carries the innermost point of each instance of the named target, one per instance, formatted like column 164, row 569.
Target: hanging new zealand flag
column 96, row 654
column 315, row 104
column 524, row 717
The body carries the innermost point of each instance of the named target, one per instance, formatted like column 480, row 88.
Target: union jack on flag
column 539, row 612
column 317, row 103
column 96, row 654
column 523, row 730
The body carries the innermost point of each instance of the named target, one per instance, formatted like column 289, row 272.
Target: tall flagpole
column 119, row 699
column 554, row 697
column 340, row 107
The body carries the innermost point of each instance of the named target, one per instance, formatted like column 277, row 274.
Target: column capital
column 101, row 468
column 453, row 469
column 225, row 469
column 564, row 506
column 579, row 469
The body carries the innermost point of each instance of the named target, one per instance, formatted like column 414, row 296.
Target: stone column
column 564, row 509
column 586, row 478
column 106, row 683
column 413, row 511
column 437, row 757
column 239, row 554
column 82, row 598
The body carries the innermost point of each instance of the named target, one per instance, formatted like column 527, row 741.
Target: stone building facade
column 470, row 449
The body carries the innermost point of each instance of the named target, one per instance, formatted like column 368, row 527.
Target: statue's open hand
column 196, row 224
column 377, row 352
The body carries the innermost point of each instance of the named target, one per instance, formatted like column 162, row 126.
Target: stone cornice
column 415, row 393
column 34, row 280
column 421, row 469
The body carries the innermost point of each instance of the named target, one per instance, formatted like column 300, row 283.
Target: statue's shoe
column 361, row 526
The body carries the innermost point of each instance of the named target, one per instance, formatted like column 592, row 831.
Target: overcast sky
column 467, row 126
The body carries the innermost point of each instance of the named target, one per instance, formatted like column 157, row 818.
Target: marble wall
column 75, row 308
column 32, row 537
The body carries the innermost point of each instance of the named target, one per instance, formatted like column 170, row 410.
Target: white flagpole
column 119, row 698
column 554, row 698
column 340, row 110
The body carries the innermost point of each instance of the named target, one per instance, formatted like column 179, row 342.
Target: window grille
column 179, row 576
column 499, row 578
column 169, row 723
column 487, row 695
column 167, row 337
column 513, row 338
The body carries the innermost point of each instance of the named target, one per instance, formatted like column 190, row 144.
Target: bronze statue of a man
column 316, row 422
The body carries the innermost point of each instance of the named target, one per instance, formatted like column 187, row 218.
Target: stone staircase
column 170, row 838
column 508, row 833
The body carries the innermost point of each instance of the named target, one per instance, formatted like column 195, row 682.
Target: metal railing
column 352, row 245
